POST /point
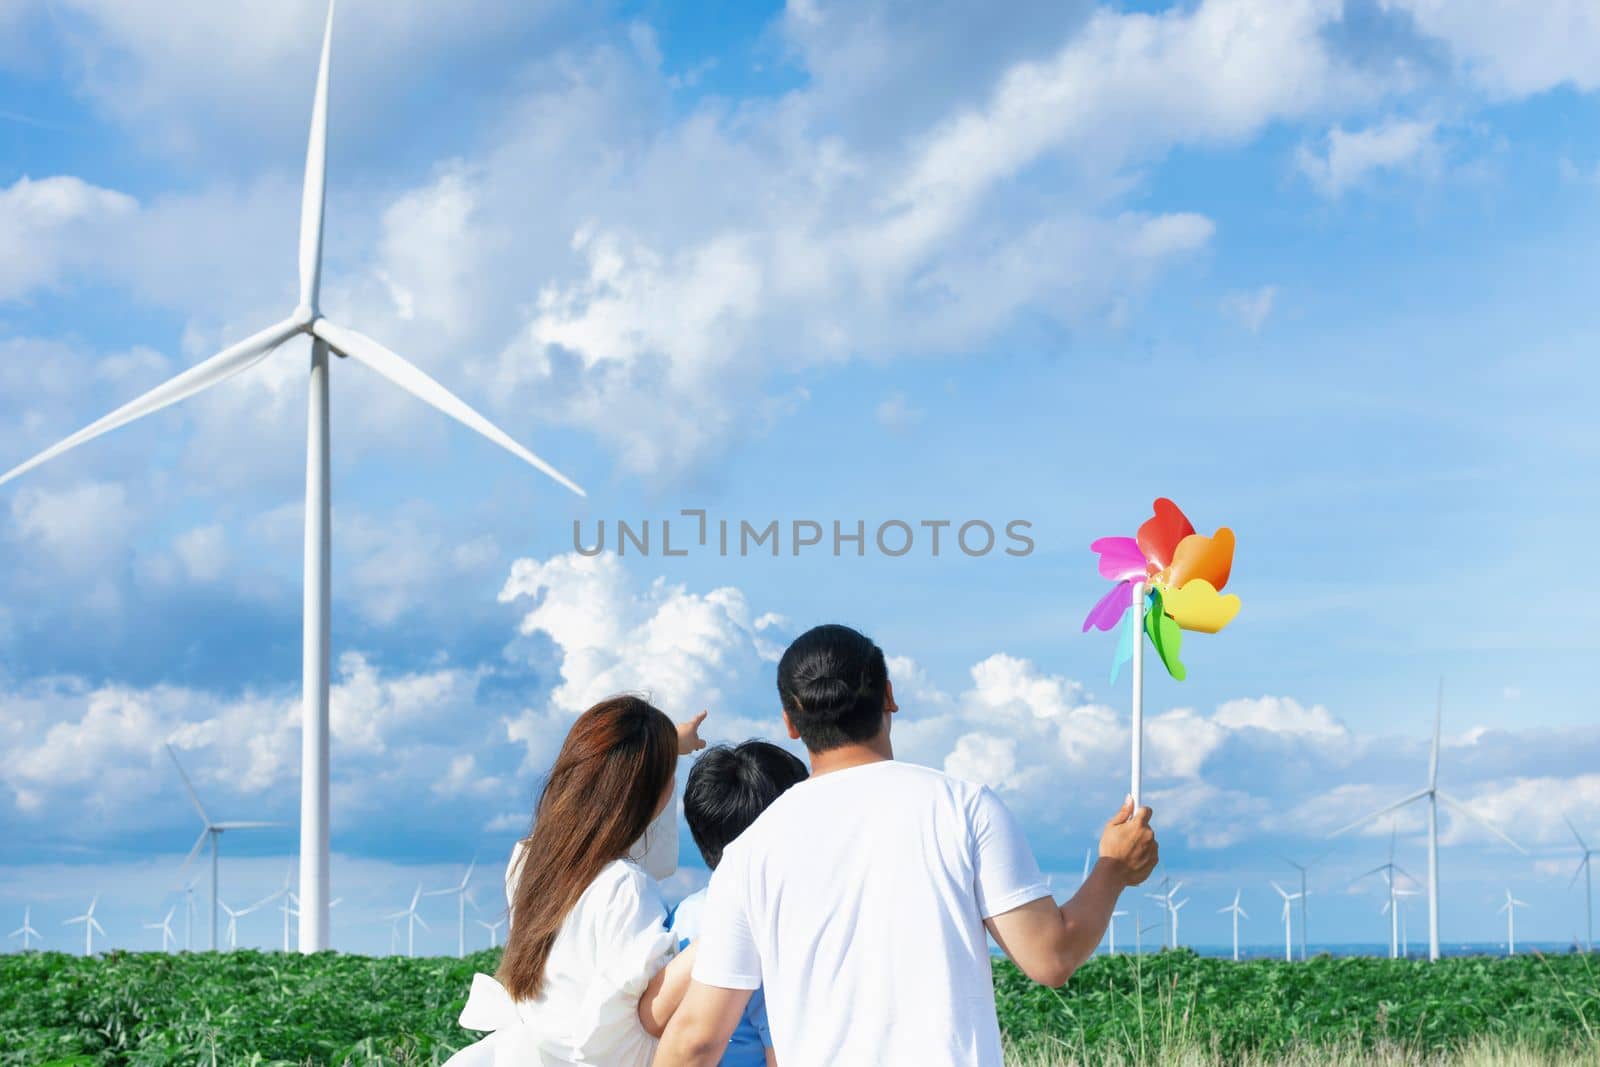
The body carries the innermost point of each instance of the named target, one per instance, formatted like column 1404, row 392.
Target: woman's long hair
column 601, row 795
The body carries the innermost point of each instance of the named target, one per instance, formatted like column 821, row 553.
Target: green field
column 1173, row 1008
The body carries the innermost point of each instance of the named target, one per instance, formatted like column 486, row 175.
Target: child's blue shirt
column 751, row 1038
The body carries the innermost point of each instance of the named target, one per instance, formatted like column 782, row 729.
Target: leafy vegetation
column 1174, row 1008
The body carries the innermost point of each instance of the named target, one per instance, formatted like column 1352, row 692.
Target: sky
column 1319, row 271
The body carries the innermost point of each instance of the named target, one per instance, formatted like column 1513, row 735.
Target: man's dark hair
column 729, row 786
column 832, row 682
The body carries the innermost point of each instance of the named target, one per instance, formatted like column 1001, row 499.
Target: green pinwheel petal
column 1165, row 635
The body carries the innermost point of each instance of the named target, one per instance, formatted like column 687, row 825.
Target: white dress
column 611, row 945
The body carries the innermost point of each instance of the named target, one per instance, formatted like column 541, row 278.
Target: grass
column 1167, row 1010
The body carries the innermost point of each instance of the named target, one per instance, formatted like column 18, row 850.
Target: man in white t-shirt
column 859, row 901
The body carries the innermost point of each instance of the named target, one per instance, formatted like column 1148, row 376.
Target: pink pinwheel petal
column 1120, row 558
column 1110, row 608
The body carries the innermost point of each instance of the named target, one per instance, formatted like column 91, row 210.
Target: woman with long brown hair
column 589, row 975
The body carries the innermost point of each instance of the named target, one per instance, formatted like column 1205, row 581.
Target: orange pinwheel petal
column 1159, row 536
column 1199, row 556
column 1198, row 606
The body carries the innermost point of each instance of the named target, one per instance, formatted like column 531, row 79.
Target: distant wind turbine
column 233, row 923
column 1305, row 892
column 168, row 941
column 211, row 831
column 494, row 930
column 90, row 925
column 26, row 930
column 1111, row 932
column 1432, row 794
column 325, row 337
column 1288, row 918
column 1588, row 886
column 412, row 921
column 1389, row 870
column 1510, row 908
column 463, row 895
column 1400, row 896
column 1174, row 910
column 188, row 914
column 1164, row 898
column 1238, row 913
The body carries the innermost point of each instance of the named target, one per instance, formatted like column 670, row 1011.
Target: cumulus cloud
column 52, row 226
column 1508, row 53
column 1348, row 158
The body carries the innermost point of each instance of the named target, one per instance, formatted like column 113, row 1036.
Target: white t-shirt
column 608, row 949
column 857, row 902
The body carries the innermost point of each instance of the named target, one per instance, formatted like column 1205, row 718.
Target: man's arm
column 1049, row 942
column 700, row 1029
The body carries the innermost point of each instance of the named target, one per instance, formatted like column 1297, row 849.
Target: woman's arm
column 665, row 992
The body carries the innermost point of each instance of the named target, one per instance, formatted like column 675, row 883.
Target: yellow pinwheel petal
column 1199, row 556
column 1198, row 606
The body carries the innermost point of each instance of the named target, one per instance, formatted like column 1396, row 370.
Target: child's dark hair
column 832, row 681
column 729, row 786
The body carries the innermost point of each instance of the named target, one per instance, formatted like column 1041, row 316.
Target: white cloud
column 203, row 552
column 1350, row 157
column 1509, row 50
column 683, row 651
column 51, row 227
column 80, row 525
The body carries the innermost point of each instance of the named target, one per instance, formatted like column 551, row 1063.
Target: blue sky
column 1320, row 272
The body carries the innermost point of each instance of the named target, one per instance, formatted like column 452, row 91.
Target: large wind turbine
column 1510, row 908
column 1432, row 794
column 1238, row 913
column 211, row 831
column 494, row 930
column 325, row 337
column 1588, row 886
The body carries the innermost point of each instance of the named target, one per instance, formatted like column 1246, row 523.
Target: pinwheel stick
column 1138, row 691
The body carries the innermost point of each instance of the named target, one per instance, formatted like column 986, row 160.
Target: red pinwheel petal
column 1159, row 536
column 1120, row 558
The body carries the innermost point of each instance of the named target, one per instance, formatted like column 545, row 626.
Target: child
column 588, row 975
column 727, row 789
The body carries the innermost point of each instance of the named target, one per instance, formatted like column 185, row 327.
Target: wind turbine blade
column 189, row 786
column 1243, row 914
column 247, row 825
column 1581, row 865
column 1380, row 813
column 312, row 196
column 1433, row 753
column 1481, row 821
column 422, row 922
column 223, row 365
column 199, row 843
column 1575, row 833
column 360, row 347
column 96, row 924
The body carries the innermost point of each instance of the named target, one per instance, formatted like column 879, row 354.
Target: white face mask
column 657, row 850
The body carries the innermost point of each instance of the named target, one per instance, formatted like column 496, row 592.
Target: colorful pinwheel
column 1182, row 574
